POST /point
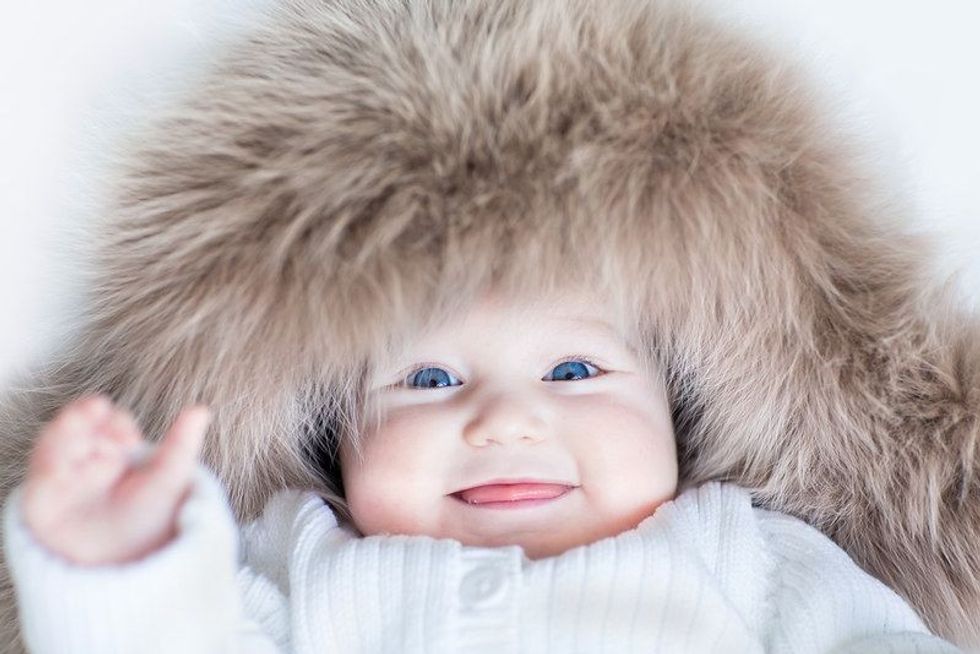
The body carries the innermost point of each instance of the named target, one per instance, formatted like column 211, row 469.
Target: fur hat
column 349, row 170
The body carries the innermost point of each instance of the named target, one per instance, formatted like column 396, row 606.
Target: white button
column 482, row 586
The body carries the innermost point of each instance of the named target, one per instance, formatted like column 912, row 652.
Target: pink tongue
column 512, row 492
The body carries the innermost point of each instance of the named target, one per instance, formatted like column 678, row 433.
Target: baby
column 513, row 490
column 503, row 312
column 496, row 412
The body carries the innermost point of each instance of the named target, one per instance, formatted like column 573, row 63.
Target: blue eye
column 572, row 370
column 431, row 378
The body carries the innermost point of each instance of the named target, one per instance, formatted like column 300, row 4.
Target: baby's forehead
column 565, row 308
column 538, row 327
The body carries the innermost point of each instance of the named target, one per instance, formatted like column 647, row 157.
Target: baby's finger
column 95, row 405
column 79, row 415
column 180, row 446
column 65, row 439
column 121, row 427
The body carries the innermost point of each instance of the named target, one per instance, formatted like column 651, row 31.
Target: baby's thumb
column 181, row 445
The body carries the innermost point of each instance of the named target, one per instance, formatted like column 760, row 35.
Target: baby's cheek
column 387, row 495
column 377, row 509
column 628, row 457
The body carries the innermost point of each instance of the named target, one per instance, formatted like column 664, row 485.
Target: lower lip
column 514, row 504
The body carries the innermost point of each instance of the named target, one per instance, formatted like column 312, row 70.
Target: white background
column 74, row 73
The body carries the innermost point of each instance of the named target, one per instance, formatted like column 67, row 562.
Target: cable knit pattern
column 707, row 572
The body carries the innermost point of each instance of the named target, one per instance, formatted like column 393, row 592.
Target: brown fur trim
column 351, row 168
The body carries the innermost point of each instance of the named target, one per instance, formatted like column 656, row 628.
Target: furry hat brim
column 349, row 168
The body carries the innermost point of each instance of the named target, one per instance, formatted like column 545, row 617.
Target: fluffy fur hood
column 348, row 168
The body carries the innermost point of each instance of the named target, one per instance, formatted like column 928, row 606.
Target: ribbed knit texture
column 181, row 598
column 706, row 573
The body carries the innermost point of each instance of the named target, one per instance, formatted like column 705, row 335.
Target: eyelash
column 584, row 359
column 408, row 373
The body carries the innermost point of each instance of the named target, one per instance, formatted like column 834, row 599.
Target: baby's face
column 547, row 393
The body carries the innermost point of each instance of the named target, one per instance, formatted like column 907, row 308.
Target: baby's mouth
column 512, row 495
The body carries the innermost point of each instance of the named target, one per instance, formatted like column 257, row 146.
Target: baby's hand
column 86, row 497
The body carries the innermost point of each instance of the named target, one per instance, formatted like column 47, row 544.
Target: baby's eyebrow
column 595, row 324
column 602, row 328
column 590, row 321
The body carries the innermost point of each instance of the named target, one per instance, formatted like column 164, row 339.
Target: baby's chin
column 537, row 543
column 548, row 532
column 544, row 541
column 540, row 531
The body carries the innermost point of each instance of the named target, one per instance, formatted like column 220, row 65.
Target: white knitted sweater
column 706, row 573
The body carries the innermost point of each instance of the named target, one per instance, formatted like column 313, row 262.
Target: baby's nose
column 504, row 418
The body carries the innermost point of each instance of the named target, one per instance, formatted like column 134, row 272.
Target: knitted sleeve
column 184, row 597
column 821, row 601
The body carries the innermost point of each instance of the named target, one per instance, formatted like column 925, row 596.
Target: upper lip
column 511, row 480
